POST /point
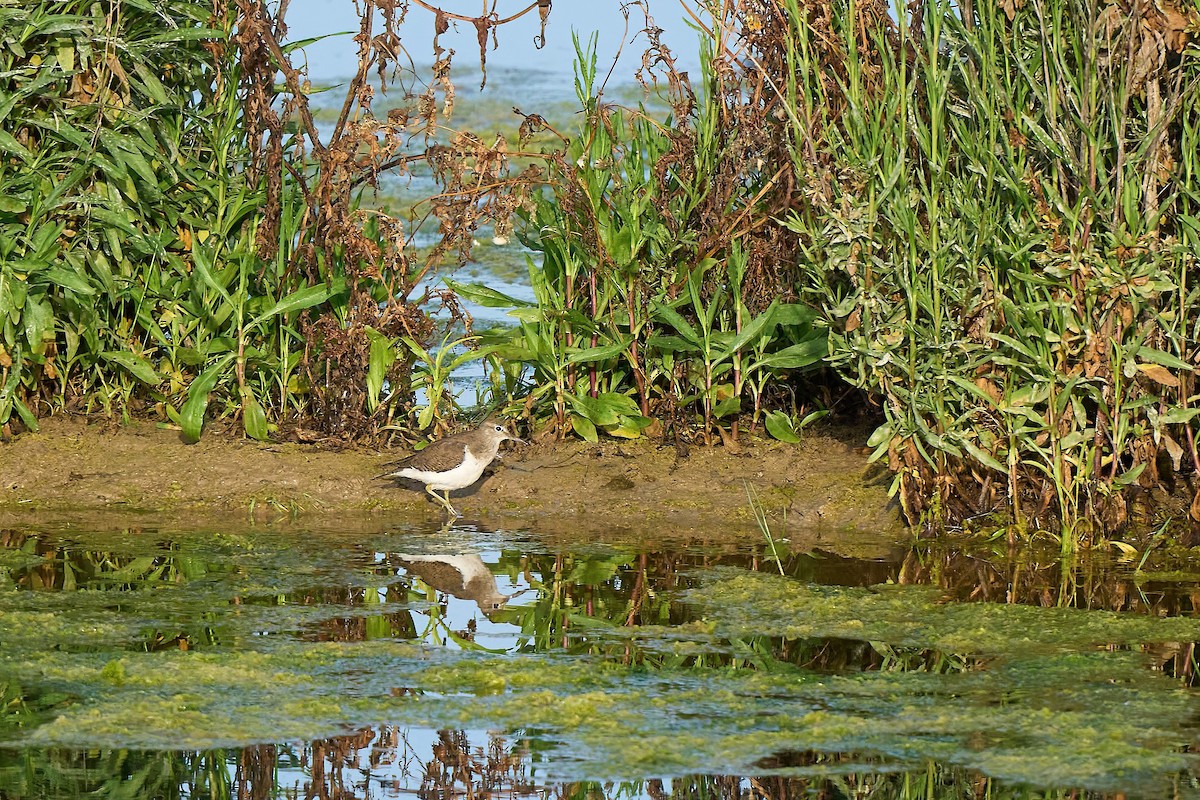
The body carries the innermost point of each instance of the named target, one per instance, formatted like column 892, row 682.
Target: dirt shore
column 819, row 488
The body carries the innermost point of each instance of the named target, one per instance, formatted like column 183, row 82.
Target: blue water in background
column 335, row 56
column 518, row 75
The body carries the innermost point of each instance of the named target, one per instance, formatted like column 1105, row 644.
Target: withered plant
column 179, row 238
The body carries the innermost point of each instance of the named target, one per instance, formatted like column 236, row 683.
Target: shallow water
column 347, row 658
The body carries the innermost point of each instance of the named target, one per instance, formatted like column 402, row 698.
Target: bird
column 465, row 576
column 454, row 462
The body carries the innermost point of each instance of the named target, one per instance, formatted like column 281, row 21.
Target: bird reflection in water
column 464, row 576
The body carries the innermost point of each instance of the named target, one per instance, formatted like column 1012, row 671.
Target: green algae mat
column 354, row 661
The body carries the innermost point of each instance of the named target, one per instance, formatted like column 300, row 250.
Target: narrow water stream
column 353, row 659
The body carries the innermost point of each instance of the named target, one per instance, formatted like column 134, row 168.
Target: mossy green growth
column 1040, row 696
column 748, row 603
column 1095, row 719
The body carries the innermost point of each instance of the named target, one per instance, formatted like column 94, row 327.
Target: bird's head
column 497, row 431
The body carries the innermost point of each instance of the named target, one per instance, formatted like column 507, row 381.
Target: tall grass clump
column 179, row 239
column 1000, row 224
column 655, row 308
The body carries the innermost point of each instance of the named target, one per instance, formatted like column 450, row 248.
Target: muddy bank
column 821, row 487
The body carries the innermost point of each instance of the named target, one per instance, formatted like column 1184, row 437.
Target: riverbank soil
column 820, row 487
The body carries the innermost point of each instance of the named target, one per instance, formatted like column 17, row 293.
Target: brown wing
column 438, row 456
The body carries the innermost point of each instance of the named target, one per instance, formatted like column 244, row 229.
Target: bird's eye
column 499, row 429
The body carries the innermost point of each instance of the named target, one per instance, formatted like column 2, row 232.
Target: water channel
column 357, row 658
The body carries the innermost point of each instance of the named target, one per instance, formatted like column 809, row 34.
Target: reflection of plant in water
column 617, row 606
column 686, row 652
column 970, row 572
column 386, row 762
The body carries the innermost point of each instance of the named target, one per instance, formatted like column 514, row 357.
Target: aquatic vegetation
column 685, row 667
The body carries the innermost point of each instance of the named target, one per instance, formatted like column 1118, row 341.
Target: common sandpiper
column 454, row 462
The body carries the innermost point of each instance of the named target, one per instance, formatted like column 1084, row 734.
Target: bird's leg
column 444, row 501
column 449, row 507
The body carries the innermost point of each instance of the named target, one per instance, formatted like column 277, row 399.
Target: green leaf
column 254, row 418
column 1129, row 477
column 154, row 88
column 796, row 356
column 730, row 405
column 8, row 144
column 138, row 366
column 794, row 314
column 670, row 344
column 1165, row 359
column 114, row 220
column 39, row 321
column 185, row 35
column 601, row 353
column 629, row 427
column 682, row 326
column 23, row 411
column 1177, row 416
column 203, row 266
column 191, row 416
column 69, row 279
column 382, row 356
column 780, row 426
column 584, row 428
column 750, row 331
column 531, row 315
column 983, row 458
column 486, row 296
column 307, row 297
column 604, row 410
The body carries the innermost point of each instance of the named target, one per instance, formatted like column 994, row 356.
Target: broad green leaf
column 254, row 419
column 584, row 428
column 794, row 314
column 382, row 356
column 601, row 353
column 486, row 296
column 191, row 416
column 39, row 322
column 629, row 427
column 671, row 344
column 185, row 35
column 114, row 220
column 604, row 410
column 153, row 87
column 69, row 279
column 684, row 328
column 138, row 366
column 1165, row 359
column 1129, row 477
column 24, row 413
column 1176, row 416
column 780, row 426
column 203, row 266
column 796, row 356
column 983, row 458
column 10, row 145
column 730, row 405
column 530, row 315
column 307, row 297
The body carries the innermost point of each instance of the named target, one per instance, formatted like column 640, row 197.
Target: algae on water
column 1042, row 696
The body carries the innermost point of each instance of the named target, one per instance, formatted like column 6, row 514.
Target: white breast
column 463, row 475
